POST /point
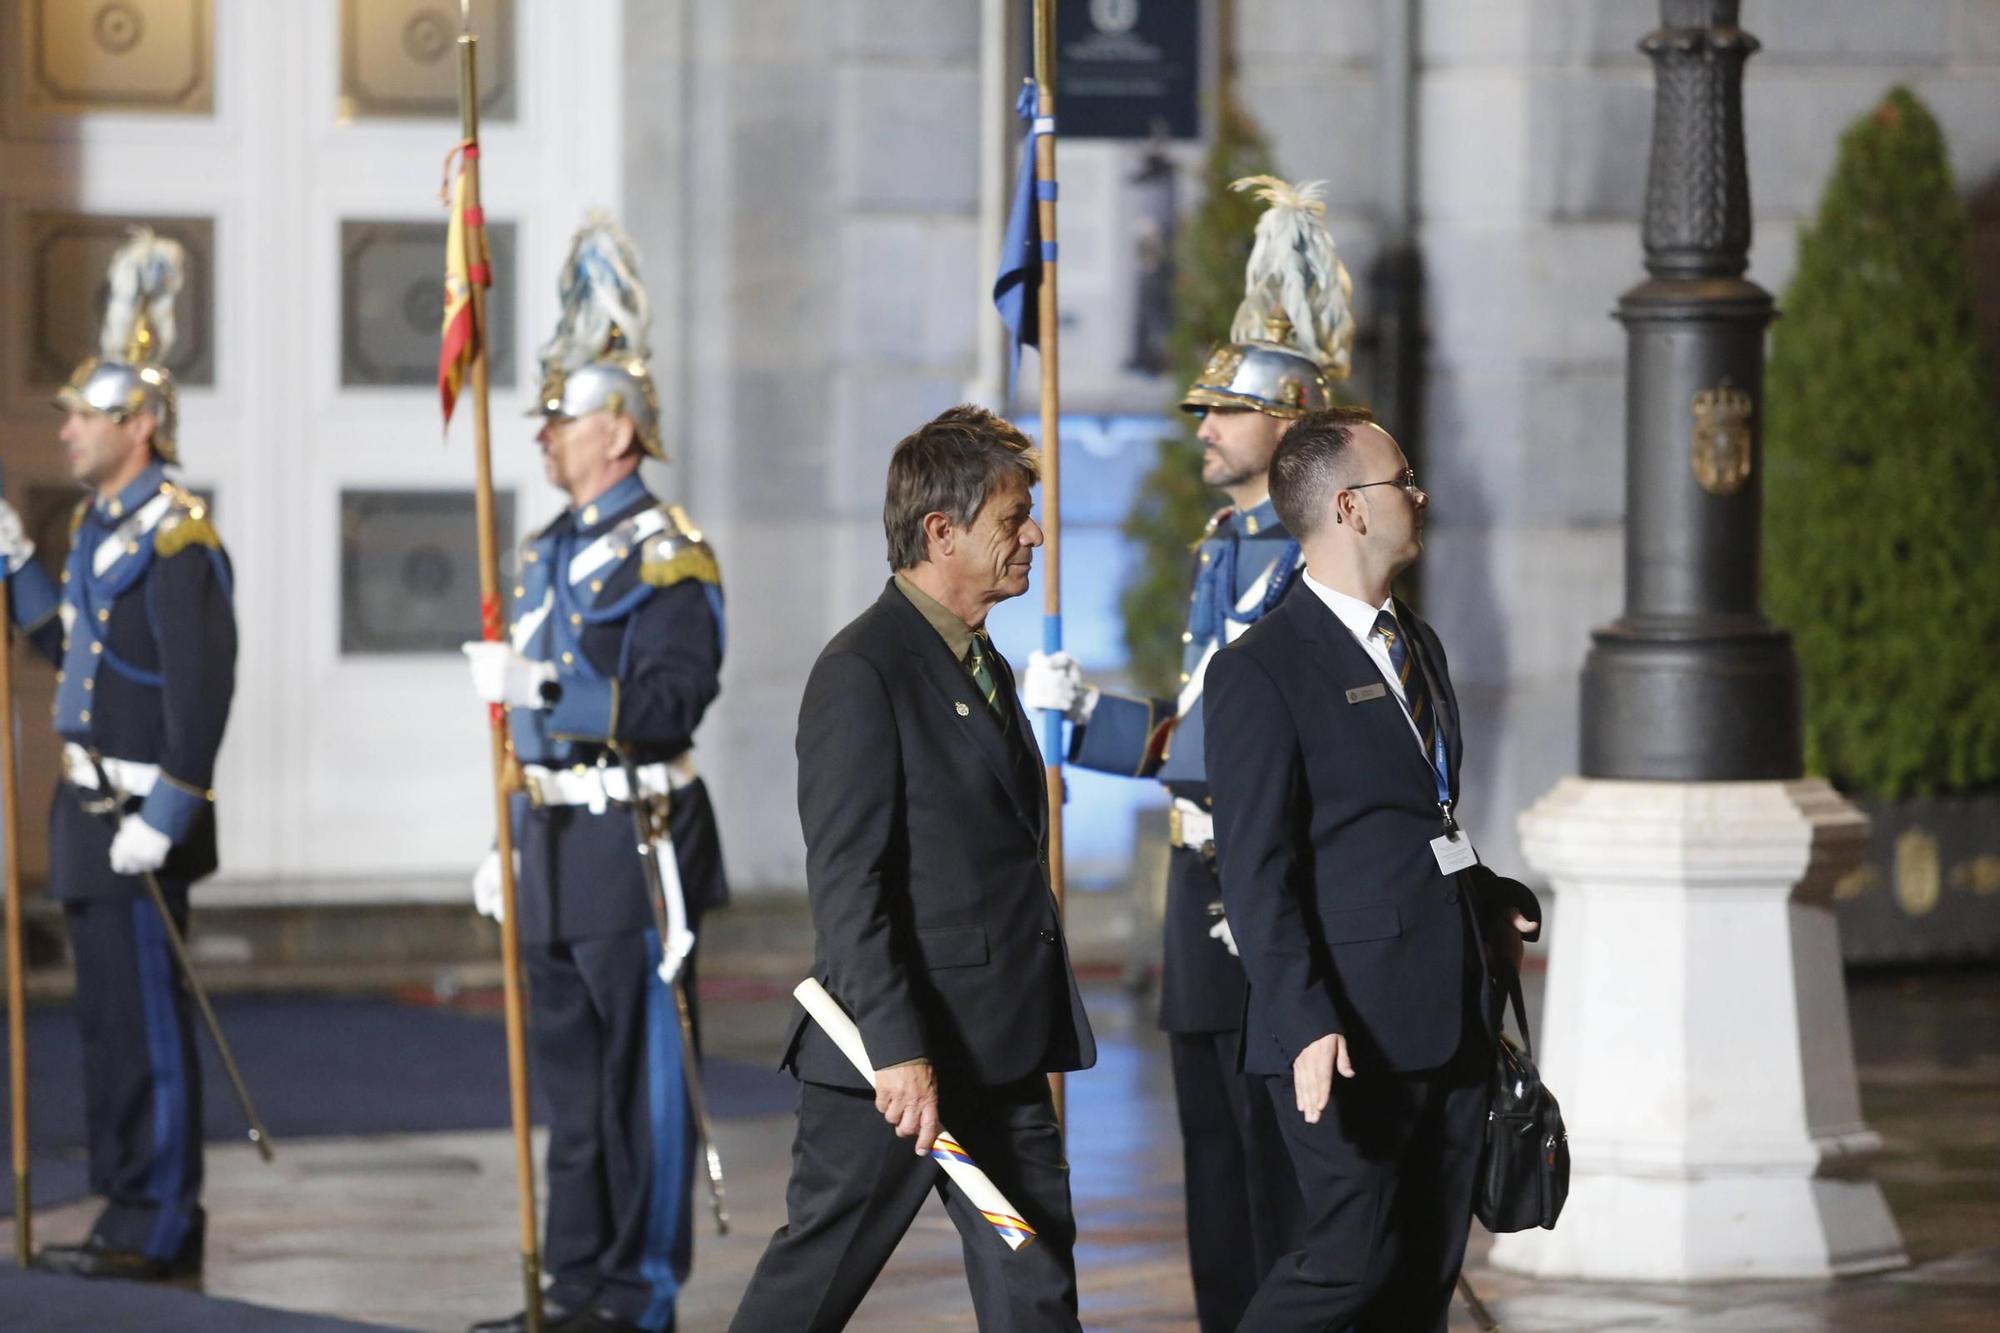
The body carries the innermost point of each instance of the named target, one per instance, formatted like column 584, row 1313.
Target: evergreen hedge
column 1173, row 503
column 1882, row 450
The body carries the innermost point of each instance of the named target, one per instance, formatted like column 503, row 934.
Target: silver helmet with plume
column 128, row 375
column 1293, row 336
column 597, row 359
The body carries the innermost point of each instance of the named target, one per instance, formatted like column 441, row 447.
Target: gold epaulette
column 677, row 554
column 185, row 524
column 76, row 519
column 1214, row 522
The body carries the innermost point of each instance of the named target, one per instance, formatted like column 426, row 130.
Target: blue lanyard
column 1441, row 772
column 1440, row 761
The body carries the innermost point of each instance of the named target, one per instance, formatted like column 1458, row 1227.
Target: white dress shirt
column 1359, row 618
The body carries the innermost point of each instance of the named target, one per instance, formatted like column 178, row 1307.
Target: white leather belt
column 598, row 785
column 128, row 776
column 1188, row 825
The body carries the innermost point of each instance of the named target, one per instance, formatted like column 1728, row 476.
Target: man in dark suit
column 926, row 826
column 1369, row 932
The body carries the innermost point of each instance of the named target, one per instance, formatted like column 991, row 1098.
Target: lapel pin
column 963, row 710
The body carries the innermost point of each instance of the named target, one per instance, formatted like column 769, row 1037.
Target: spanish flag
column 466, row 261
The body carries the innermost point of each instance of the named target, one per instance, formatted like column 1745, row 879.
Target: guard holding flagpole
column 144, row 637
column 1290, row 341
column 612, row 655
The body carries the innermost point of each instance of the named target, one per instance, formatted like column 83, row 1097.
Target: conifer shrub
column 1882, row 486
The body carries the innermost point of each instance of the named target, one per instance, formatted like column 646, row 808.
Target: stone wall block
column 910, row 29
column 1316, row 31
column 906, row 138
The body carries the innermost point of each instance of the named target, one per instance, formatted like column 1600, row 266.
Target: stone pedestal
column 1696, row 1034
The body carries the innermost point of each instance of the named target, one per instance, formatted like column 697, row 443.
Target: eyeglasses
column 1408, row 481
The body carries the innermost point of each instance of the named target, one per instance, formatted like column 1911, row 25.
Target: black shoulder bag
column 1524, row 1163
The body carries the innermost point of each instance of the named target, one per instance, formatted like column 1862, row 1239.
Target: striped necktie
column 979, row 661
column 1415, row 692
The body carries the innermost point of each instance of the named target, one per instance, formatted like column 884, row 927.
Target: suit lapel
column 1347, row 664
column 1423, row 639
column 958, row 697
column 1038, row 795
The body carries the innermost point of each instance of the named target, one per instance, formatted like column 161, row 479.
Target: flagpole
column 490, row 621
column 1046, row 332
column 17, row 990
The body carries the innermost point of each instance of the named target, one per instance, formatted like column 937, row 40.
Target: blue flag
column 1017, row 285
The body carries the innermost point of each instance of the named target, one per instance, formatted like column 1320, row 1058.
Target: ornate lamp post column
column 1695, row 1018
column 1692, row 684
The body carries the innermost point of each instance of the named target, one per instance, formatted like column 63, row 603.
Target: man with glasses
column 1371, row 936
column 1242, row 1202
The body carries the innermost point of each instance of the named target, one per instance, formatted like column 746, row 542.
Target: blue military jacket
column 144, row 635
column 624, row 597
column 1244, row 563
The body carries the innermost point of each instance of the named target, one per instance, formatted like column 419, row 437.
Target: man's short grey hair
column 1313, row 461
column 950, row 465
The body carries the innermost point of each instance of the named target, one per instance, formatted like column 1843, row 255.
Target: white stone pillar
column 1695, row 1031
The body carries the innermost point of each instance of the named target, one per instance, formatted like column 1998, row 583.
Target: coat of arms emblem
column 1720, row 444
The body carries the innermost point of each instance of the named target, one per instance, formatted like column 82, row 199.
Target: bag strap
column 1520, row 1013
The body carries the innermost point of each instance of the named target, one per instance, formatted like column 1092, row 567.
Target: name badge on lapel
column 1361, row 694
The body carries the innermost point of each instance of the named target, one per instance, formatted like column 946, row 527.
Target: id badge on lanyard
column 1452, row 848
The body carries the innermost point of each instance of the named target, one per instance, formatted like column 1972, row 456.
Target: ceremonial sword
column 650, row 829
column 112, row 808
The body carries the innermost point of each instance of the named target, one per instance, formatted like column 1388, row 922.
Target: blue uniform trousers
column 141, row 1074
column 621, row 1139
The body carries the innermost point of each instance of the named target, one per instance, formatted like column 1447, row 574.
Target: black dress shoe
column 602, row 1321
column 555, row 1319
column 94, row 1258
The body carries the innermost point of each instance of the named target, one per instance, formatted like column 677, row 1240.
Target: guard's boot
column 555, row 1319
column 96, row 1257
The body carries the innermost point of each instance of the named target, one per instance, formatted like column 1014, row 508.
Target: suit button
column 1451, row 896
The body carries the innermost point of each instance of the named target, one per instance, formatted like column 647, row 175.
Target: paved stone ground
column 419, row 1232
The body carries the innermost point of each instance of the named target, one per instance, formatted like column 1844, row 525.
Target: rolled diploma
column 971, row 1181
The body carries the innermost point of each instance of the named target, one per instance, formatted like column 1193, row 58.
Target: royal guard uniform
column 144, row 636
column 616, row 637
column 1291, row 339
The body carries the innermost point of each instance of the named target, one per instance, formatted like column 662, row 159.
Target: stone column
column 1696, row 1016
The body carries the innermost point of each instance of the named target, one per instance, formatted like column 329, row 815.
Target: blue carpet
column 45, row 1304
column 324, row 1065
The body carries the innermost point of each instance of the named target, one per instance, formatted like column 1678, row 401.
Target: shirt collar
column 1357, row 615
column 619, row 499
column 1257, row 520
column 957, row 635
column 141, row 489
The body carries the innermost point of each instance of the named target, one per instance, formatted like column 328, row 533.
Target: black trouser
column 621, row 1140
column 856, row 1187
column 141, row 1074
column 1387, row 1175
column 1243, row 1206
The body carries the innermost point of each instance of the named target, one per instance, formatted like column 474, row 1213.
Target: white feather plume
column 604, row 304
column 145, row 277
column 1295, row 276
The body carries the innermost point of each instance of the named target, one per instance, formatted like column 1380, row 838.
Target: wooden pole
column 1046, row 335
column 492, row 628
column 17, row 989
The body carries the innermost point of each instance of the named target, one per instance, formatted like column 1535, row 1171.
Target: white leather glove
column 138, row 848
column 486, row 898
column 1221, row 931
column 15, row 548
column 1055, row 680
column 502, row 676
